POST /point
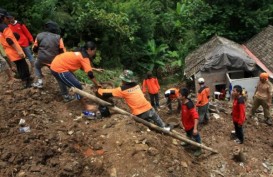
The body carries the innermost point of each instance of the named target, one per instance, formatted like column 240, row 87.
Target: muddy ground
column 62, row 144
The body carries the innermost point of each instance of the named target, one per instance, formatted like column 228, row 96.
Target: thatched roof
column 197, row 58
column 261, row 45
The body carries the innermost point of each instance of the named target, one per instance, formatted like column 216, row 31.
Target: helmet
column 201, row 80
column 127, row 76
column 264, row 76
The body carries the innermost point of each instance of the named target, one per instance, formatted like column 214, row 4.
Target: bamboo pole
column 137, row 119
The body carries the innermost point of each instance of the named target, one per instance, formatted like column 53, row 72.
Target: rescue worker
column 172, row 94
column 263, row 97
column 189, row 119
column 12, row 49
column 26, row 38
column 153, row 89
column 202, row 102
column 65, row 64
column 134, row 97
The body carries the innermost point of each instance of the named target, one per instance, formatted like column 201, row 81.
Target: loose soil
column 63, row 144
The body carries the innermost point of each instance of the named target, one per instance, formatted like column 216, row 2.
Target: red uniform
column 188, row 115
column 21, row 29
column 238, row 111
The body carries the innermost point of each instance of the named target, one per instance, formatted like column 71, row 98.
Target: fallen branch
column 148, row 124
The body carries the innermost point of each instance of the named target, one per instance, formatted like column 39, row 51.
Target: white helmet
column 201, row 80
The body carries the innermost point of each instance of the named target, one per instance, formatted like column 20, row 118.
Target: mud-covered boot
column 68, row 98
column 198, row 152
column 31, row 67
column 184, row 144
column 27, row 83
column 268, row 121
column 38, row 84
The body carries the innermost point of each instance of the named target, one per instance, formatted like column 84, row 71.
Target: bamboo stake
column 148, row 124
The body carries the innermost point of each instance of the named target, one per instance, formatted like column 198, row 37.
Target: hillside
column 61, row 143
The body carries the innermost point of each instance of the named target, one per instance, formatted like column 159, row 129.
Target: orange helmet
column 264, row 76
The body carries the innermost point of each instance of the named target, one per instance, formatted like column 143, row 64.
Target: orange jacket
column 203, row 96
column 174, row 93
column 6, row 33
column 133, row 96
column 70, row 61
column 152, row 84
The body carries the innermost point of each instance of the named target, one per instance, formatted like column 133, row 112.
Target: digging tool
column 137, row 119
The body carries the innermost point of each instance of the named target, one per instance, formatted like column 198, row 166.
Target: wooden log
column 137, row 119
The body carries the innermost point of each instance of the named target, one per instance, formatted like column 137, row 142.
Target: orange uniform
column 151, row 84
column 6, row 33
column 174, row 93
column 133, row 96
column 70, row 61
column 203, row 96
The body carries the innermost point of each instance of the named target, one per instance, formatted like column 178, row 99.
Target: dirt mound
column 61, row 143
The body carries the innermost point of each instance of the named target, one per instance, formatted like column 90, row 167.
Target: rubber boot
column 28, row 83
column 268, row 121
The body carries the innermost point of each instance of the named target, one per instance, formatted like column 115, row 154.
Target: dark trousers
column 190, row 135
column 151, row 115
column 22, row 69
column 169, row 103
column 239, row 131
column 203, row 112
column 154, row 98
column 68, row 79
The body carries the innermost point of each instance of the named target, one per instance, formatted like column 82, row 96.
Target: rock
column 213, row 111
column 3, row 165
column 119, row 143
column 224, row 110
column 184, row 164
column 173, row 121
column 174, row 141
column 248, row 169
column 113, row 172
column 5, row 156
column 97, row 146
column 9, row 92
column 35, row 168
column 141, row 147
column 70, row 132
column 21, row 174
column 11, row 159
column 153, row 151
column 170, row 169
column 100, row 152
column 71, row 166
column 238, row 155
column 89, row 152
column 216, row 116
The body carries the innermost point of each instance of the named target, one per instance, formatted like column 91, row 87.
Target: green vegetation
column 106, row 76
column 145, row 35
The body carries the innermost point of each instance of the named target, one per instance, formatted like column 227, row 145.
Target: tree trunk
column 137, row 119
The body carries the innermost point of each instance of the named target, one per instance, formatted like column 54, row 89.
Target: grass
column 106, row 76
